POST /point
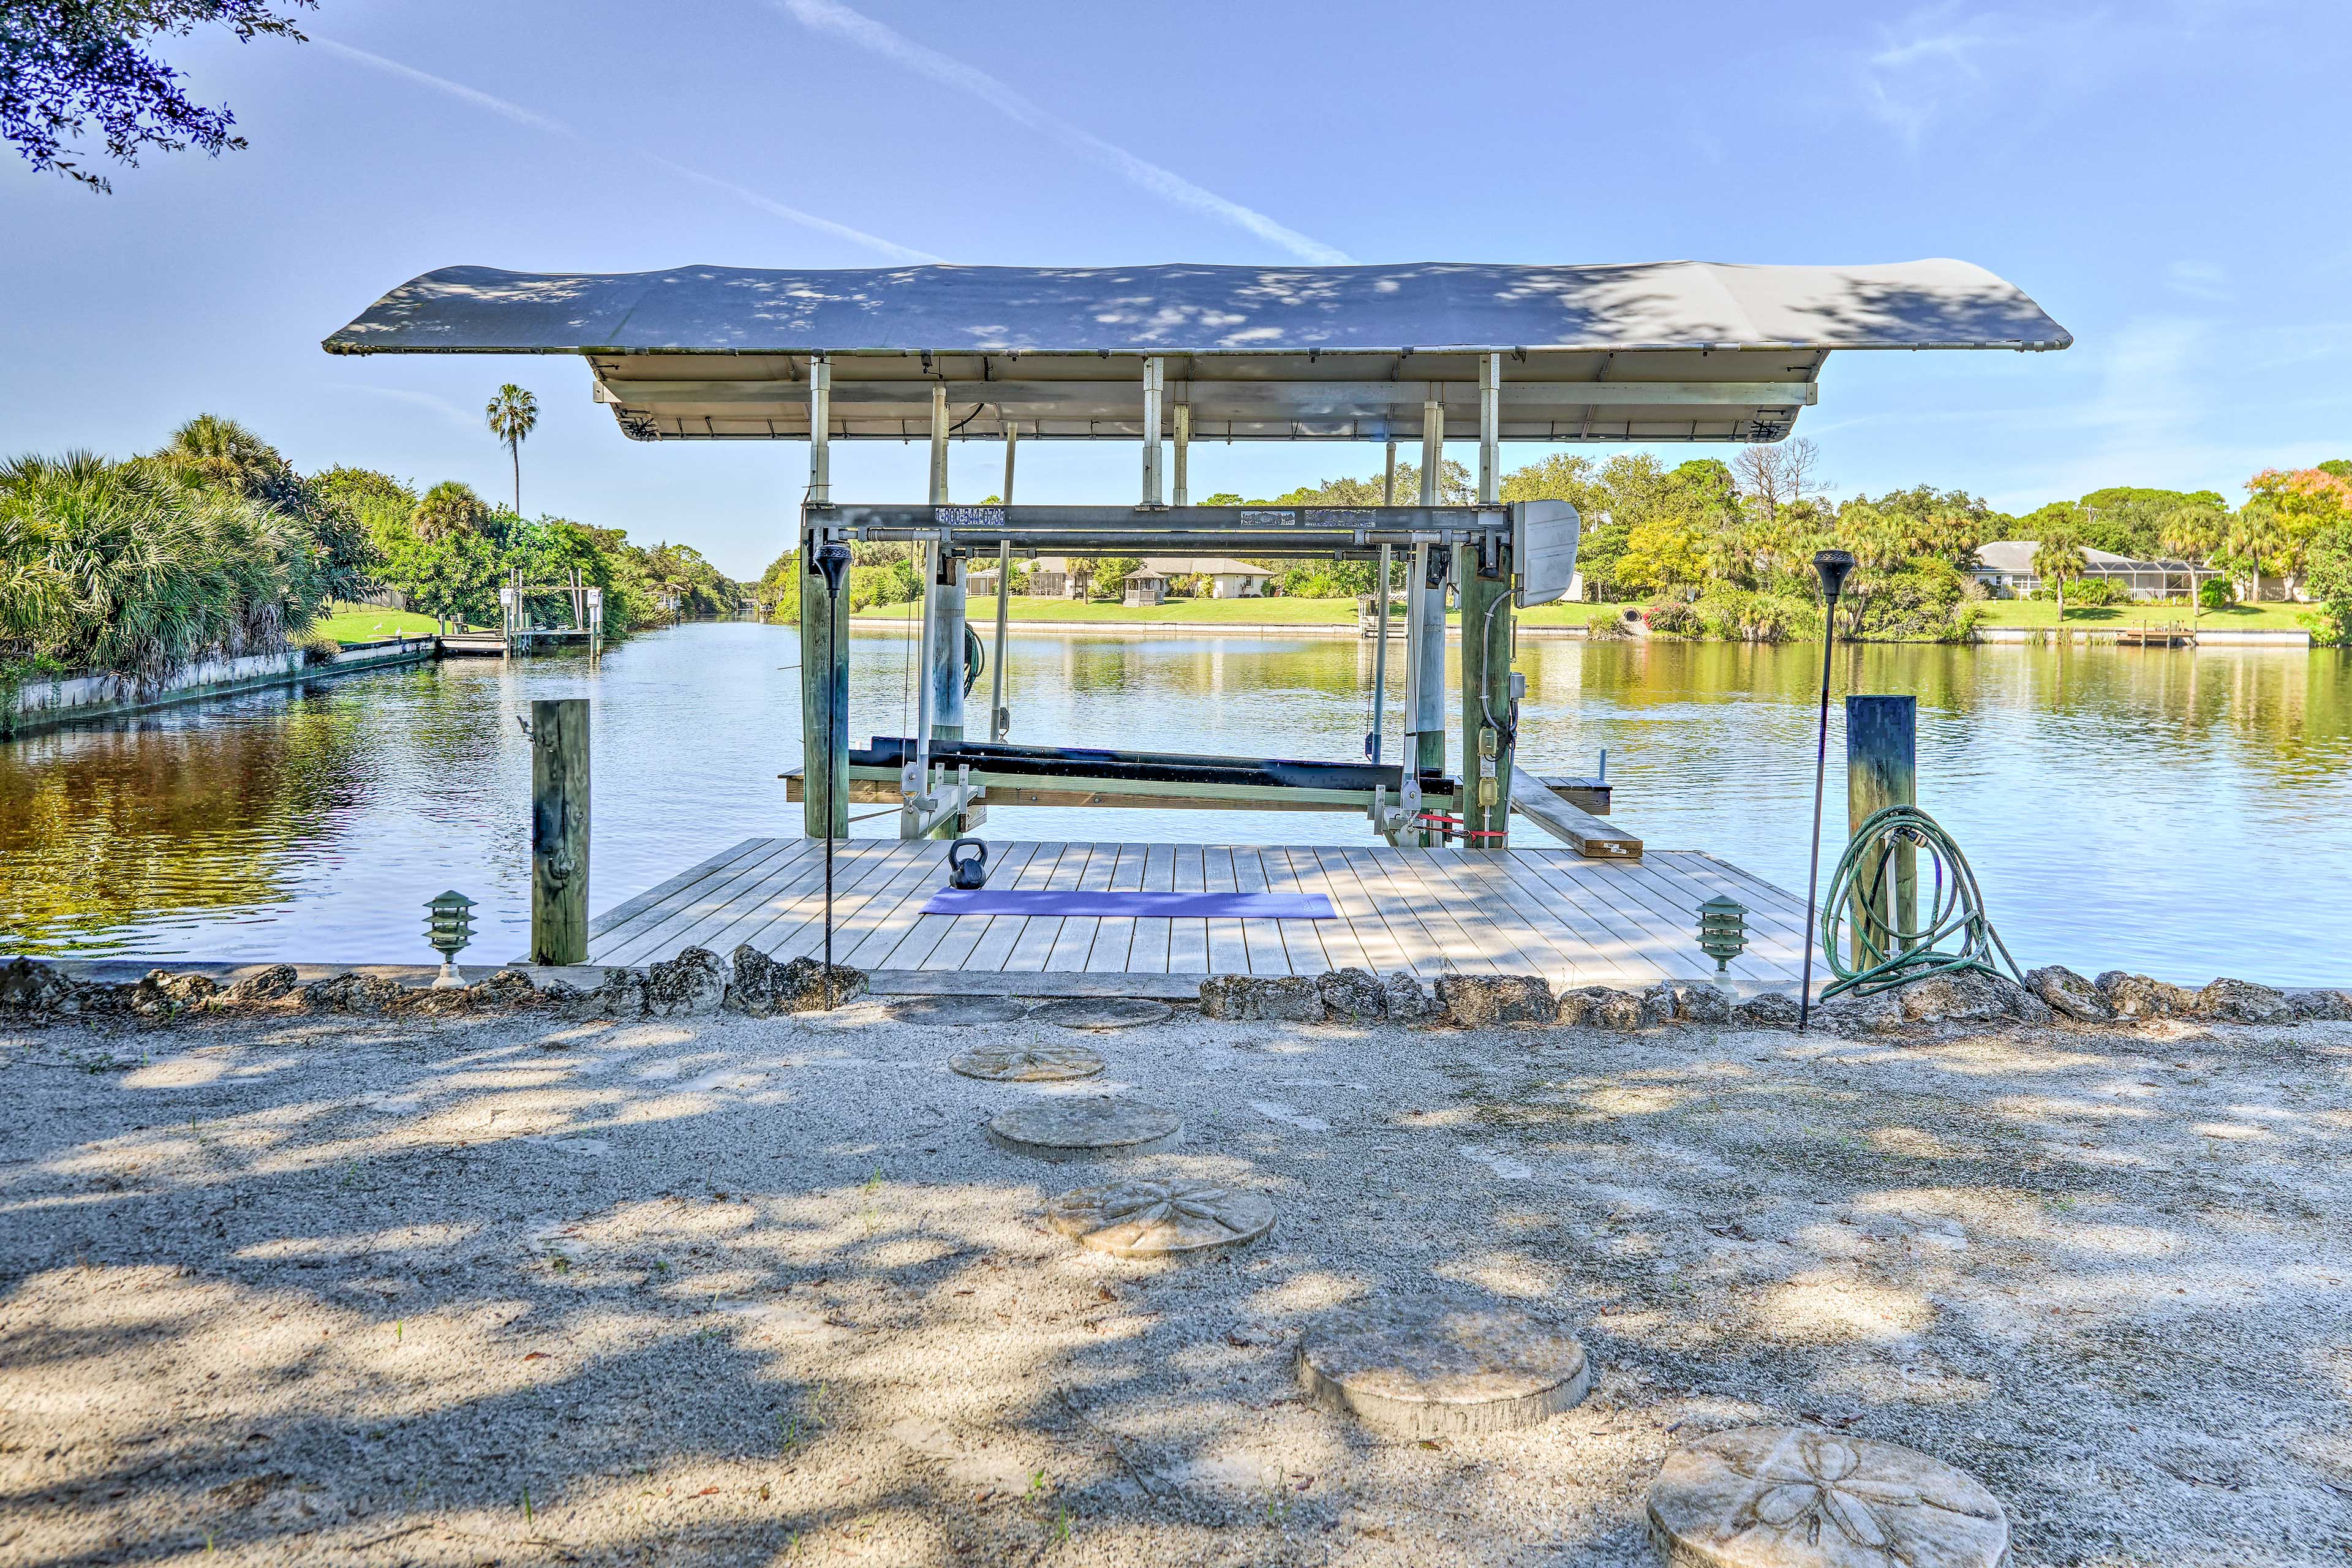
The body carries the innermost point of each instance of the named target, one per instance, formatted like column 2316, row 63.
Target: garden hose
column 975, row 659
column 1856, row 911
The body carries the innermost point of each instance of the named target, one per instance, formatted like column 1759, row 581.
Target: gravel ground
column 322, row 1290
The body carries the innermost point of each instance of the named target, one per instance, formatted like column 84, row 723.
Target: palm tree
column 448, row 510
column 2254, row 538
column 2189, row 535
column 2058, row 557
column 514, row 414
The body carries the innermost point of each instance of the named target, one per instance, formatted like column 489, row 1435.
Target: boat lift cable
column 1886, row 956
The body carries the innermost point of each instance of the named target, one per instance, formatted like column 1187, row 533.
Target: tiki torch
column 1834, row 566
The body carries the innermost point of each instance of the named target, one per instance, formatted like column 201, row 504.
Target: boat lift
column 1663, row 351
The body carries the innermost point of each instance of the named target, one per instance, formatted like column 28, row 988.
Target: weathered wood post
column 824, row 639
column 943, row 592
column 1881, row 769
column 559, row 830
column 1488, row 748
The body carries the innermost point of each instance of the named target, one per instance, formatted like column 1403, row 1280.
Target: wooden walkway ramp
column 1544, row 910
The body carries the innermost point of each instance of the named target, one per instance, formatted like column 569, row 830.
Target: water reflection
column 2176, row 811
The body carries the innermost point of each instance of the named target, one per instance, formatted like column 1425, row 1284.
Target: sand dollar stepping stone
column 956, row 1010
column 1775, row 1497
column 1026, row 1063
column 1067, row 1127
column 1160, row 1219
column 1102, row 1012
column 1422, row 1369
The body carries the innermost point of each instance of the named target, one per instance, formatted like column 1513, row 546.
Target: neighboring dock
column 1629, row 924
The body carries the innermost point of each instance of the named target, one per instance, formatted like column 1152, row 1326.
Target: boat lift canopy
column 1663, row 351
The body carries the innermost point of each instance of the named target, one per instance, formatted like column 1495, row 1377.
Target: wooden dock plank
column 994, row 950
column 1078, row 934
column 855, row 914
column 1228, row 947
column 670, row 928
column 954, row 951
column 1543, row 910
column 1580, row 830
column 1188, row 939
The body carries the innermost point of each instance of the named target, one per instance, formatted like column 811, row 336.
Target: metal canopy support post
column 1427, row 652
column 1154, row 374
column 1488, row 722
column 943, row 602
column 1182, row 491
column 824, row 640
column 1000, row 722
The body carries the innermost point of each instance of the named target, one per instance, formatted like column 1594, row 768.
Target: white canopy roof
column 1656, row 351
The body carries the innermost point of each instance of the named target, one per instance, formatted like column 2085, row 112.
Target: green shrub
column 1740, row 615
column 2215, row 593
column 1672, row 618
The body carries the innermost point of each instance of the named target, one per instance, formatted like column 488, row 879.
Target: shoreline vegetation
column 1722, row 552
column 215, row 546
column 1276, row 613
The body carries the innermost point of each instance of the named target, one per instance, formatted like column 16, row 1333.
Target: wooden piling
column 1487, row 752
column 1881, row 769
column 559, row 830
column 824, row 700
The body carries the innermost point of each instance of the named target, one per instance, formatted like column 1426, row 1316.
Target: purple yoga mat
column 1159, row 906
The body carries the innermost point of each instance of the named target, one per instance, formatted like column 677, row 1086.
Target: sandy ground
column 321, row 1290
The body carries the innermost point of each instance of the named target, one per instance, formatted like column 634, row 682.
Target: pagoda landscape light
column 1722, row 934
column 449, row 922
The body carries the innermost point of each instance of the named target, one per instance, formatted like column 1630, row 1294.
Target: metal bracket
column 1387, row 822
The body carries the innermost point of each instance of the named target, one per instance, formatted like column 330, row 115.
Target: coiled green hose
column 1857, row 912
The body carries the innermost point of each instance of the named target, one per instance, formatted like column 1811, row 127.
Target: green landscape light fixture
column 449, row 920
column 1722, row 933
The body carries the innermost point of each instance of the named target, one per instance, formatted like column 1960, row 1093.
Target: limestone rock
column 2242, row 1002
column 1026, row 1063
column 1700, row 1003
column 1289, row 998
column 1853, row 1016
column 1968, row 996
column 1065, row 1128
column 1404, row 999
column 1481, row 1001
column 163, row 995
column 269, row 984
column 1770, row 1010
column 2136, row 997
column 1775, row 1497
column 1177, row 1219
column 351, row 993
column 2321, row 1006
column 32, row 989
column 762, row 987
column 621, row 994
column 695, row 982
column 2069, row 993
column 1353, row 995
column 1599, row 1007
column 1410, row 1368
column 509, row 988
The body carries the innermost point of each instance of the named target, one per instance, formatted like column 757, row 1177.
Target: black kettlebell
column 967, row 871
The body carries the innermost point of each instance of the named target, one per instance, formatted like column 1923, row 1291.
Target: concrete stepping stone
column 1432, row 1369
column 1102, row 1012
column 956, row 1010
column 1160, row 1219
column 1778, row 1497
column 1027, row 1063
column 1067, row 1127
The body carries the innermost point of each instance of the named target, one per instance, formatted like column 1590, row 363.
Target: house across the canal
column 1219, row 578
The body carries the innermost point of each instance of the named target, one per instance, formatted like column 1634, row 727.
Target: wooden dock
column 1544, row 910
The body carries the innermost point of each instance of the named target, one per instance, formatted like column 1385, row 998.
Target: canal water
column 2178, row 812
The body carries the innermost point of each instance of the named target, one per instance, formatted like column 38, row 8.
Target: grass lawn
column 349, row 623
column 2044, row 613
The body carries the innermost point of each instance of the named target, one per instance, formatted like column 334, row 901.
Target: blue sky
column 2166, row 177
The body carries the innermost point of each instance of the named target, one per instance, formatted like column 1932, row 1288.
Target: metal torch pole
column 1832, row 565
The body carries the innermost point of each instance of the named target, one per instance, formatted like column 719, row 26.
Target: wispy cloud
column 889, row 248
column 538, row 121
column 831, row 17
column 441, row 405
column 2197, row 279
column 479, row 99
